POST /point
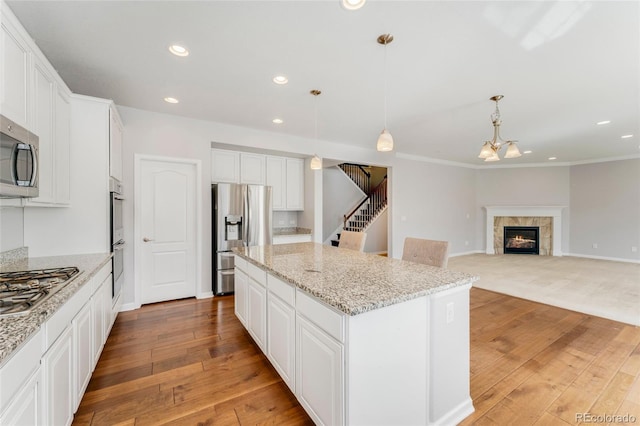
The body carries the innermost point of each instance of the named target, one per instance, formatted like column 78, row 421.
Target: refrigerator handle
column 247, row 221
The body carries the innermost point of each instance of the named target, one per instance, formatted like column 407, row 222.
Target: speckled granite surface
column 14, row 330
column 291, row 231
column 351, row 281
column 14, row 255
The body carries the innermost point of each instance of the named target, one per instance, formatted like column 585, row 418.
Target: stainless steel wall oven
column 117, row 236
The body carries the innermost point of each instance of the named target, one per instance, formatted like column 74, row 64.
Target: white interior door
column 168, row 230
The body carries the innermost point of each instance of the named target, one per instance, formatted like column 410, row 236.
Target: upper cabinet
column 285, row 175
column 252, row 168
column 33, row 95
column 115, row 144
column 15, row 75
column 225, row 166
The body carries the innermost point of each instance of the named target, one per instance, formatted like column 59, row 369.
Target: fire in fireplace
column 522, row 239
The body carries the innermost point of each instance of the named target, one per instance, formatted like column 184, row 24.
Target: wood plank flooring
column 191, row 362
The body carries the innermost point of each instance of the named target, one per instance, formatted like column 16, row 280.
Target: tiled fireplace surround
column 548, row 218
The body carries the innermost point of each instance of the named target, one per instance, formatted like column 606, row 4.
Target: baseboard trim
column 205, row 295
column 615, row 259
column 466, row 253
column 456, row 415
column 129, row 307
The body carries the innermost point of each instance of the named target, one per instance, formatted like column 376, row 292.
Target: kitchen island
column 360, row 339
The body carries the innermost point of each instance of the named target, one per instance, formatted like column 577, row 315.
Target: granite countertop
column 16, row 329
column 349, row 280
column 290, row 231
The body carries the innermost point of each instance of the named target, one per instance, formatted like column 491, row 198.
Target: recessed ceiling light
column 171, row 100
column 280, row 79
column 527, row 152
column 600, row 123
column 352, row 4
column 626, row 136
column 277, row 121
column 552, row 158
column 178, row 50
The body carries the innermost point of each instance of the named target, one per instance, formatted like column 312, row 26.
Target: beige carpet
column 597, row 287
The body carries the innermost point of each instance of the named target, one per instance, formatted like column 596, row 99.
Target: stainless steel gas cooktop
column 22, row 291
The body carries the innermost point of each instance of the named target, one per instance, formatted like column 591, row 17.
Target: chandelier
column 489, row 151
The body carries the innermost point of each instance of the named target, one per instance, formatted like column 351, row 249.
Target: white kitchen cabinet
column 257, row 313
column 286, row 177
column 98, row 312
column 83, row 351
column 15, row 77
column 21, row 384
column 62, row 137
column 319, row 373
column 291, row 238
column 58, row 380
column 295, row 184
column 252, row 168
column 225, row 166
column 281, row 328
column 115, row 144
column 44, row 87
column 240, row 289
column 277, row 180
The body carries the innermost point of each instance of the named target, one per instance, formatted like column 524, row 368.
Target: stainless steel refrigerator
column 241, row 218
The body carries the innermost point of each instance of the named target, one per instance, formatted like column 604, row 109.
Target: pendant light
column 385, row 140
column 316, row 162
column 489, row 150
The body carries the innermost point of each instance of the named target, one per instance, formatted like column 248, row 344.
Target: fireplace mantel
column 533, row 211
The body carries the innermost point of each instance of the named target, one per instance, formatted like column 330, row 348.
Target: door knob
column 146, row 240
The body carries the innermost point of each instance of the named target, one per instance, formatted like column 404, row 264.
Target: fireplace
column 521, row 239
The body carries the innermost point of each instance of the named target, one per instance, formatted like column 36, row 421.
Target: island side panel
column 387, row 365
column 449, row 394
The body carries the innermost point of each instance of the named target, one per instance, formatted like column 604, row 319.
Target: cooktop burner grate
column 21, row 291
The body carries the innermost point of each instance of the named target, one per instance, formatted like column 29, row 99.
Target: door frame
column 138, row 159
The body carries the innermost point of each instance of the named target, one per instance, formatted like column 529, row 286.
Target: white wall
column 377, row 234
column 605, row 209
column 11, row 228
column 522, row 186
column 432, row 201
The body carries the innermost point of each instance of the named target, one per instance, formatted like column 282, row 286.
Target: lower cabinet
column 83, row 351
column 281, row 337
column 58, row 380
column 257, row 313
column 26, row 408
column 241, row 284
column 319, row 373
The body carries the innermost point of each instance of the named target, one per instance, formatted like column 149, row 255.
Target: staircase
column 375, row 202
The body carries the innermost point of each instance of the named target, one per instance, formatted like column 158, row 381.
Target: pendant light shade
column 385, row 141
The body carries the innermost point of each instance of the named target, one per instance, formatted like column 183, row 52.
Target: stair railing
column 377, row 199
column 359, row 175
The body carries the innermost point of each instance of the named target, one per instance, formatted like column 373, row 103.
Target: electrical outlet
column 449, row 312
column 594, row 245
column 634, row 249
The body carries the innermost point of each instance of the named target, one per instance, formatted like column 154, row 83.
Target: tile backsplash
column 285, row 219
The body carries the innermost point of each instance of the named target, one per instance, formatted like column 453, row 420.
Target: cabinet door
column 83, row 351
column 98, row 322
column 26, row 406
column 281, row 333
column 240, row 297
column 225, row 166
column 252, row 168
column 62, row 138
column 115, row 145
column 43, row 127
column 319, row 373
column 14, row 77
column 58, row 380
column 257, row 313
column 295, row 184
column 277, row 180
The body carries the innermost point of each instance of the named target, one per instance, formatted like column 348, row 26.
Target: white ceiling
column 561, row 65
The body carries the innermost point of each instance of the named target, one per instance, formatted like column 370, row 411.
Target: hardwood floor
column 191, row 362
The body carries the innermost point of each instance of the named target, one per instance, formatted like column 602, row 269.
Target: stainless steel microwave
column 18, row 160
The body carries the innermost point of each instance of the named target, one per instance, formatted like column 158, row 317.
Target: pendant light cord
column 385, row 84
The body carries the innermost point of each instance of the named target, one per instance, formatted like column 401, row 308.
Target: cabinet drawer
column 320, row 314
column 240, row 263
column 258, row 274
column 62, row 318
column 15, row 372
column 283, row 290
